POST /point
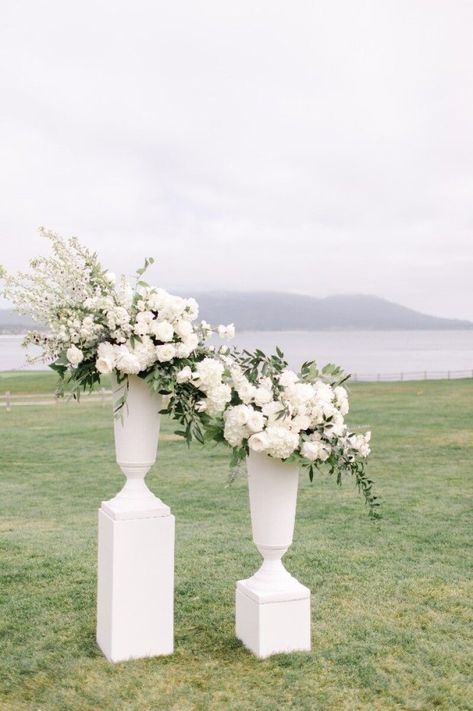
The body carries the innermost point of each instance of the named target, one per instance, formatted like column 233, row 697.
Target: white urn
column 136, row 430
column 272, row 607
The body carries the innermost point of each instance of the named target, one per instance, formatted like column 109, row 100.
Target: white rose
column 310, row 451
column 162, row 330
column 184, row 375
column 165, row 353
column 258, row 442
column 183, row 328
column 110, row 277
column 74, row 356
column 104, row 365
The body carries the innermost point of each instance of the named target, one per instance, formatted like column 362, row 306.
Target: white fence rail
column 9, row 400
column 401, row 376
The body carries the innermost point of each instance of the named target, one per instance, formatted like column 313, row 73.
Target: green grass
column 391, row 602
column 33, row 382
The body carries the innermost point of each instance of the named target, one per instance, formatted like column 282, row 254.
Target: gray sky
column 317, row 147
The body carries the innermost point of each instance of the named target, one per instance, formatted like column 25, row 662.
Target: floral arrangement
column 98, row 324
column 252, row 402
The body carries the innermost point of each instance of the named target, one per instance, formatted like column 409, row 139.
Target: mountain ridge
column 280, row 311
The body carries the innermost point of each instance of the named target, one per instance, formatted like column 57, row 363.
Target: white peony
column 165, row 353
column 74, row 356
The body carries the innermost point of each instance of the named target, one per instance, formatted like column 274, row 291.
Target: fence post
column 378, row 378
column 448, row 375
column 425, row 375
column 402, row 377
column 8, row 401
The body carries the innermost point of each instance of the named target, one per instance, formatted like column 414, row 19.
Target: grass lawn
column 391, row 605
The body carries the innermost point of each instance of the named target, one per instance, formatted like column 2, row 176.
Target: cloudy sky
column 311, row 146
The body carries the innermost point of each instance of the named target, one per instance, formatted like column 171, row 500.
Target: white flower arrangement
column 98, row 324
column 252, row 402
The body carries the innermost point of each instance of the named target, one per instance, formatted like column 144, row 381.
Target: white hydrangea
column 126, row 361
column 282, row 442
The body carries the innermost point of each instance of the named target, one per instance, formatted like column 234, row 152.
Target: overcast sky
column 308, row 146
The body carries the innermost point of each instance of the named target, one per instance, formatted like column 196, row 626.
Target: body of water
column 364, row 353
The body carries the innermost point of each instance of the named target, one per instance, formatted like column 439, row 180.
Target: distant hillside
column 274, row 311
column 11, row 322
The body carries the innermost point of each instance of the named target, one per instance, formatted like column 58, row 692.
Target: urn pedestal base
column 273, row 622
column 135, row 602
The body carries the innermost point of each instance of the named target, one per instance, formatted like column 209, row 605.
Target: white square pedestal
column 273, row 623
column 135, row 600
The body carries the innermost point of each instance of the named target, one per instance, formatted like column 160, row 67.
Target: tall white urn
column 135, row 601
column 272, row 607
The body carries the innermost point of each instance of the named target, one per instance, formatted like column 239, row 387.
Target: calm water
column 366, row 353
